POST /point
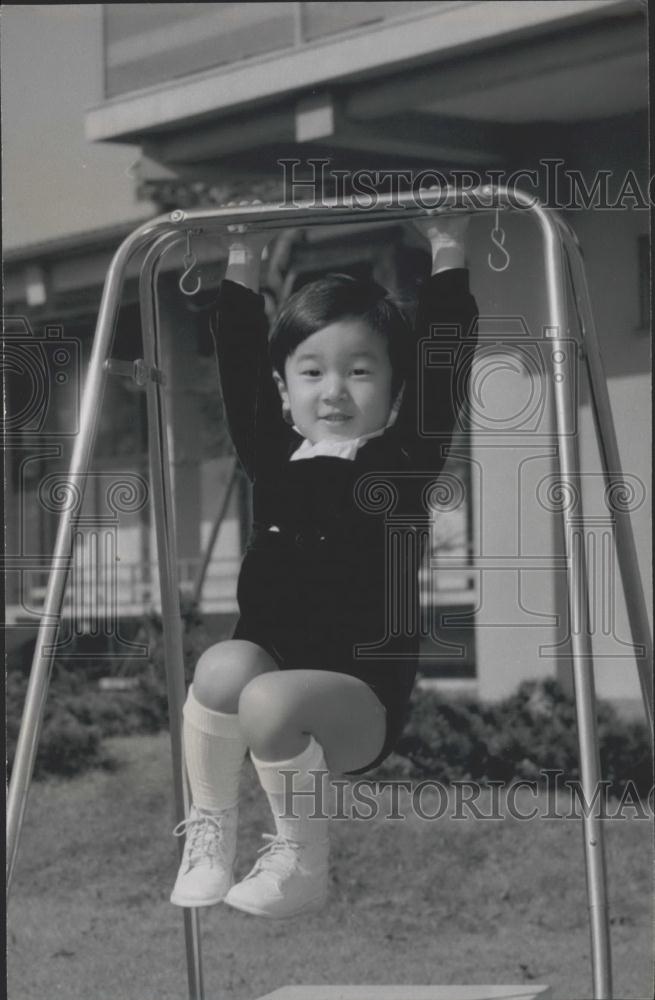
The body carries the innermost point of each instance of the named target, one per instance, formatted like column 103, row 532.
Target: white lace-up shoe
column 205, row 874
column 289, row 879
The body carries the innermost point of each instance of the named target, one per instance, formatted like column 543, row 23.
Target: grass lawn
column 447, row 901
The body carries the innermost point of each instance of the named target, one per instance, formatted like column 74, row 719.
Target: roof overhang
column 458, row 33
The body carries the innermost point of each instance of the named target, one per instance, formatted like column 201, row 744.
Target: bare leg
column 214, row 751
column 223, row 671
column 214, row 744
column 310, row 721
column 279, row 710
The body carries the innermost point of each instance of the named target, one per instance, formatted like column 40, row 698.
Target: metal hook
column 189, row 260
column 498, row 240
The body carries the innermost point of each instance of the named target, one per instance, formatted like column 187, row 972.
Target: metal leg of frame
column 162, row 501
column 585, row 698
column 37, row 690
column 617, row 492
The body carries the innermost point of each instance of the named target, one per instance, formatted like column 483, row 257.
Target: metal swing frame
column 562, row 258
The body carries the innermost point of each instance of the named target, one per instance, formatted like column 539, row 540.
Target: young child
column 333, row 397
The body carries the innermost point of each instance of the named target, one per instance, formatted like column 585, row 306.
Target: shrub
column 78, row 715
column 67, row 744
column 533, row 730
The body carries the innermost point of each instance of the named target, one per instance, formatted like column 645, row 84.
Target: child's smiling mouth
column 335, row 418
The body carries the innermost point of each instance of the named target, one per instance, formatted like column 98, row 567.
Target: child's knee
column 263, row 713
column 224, row 669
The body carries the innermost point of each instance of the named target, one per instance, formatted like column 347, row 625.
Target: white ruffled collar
column 333, row 449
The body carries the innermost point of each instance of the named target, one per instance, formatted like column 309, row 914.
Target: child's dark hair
column 333, row 298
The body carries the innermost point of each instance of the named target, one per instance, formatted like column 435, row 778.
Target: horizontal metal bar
column 374, row 209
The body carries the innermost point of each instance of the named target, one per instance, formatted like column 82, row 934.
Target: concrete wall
column 522, row 615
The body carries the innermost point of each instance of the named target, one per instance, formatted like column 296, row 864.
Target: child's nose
column 334, row 388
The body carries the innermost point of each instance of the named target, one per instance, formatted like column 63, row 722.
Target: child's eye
column 361, row 371
column 311, row 372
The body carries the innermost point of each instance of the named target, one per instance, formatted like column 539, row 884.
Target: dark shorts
column 311, row 607
column 391, row 681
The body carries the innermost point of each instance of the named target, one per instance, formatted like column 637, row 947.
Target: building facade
column 302, row 100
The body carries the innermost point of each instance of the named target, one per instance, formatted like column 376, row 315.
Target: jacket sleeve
column 251, row 400
column 437, row 382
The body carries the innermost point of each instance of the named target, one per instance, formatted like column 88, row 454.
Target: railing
column 130, row 589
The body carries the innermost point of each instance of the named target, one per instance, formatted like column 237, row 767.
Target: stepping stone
column 525, row 992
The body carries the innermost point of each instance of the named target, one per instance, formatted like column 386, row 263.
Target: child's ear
column 281, row 388
column 284, row 396
column 395, row 406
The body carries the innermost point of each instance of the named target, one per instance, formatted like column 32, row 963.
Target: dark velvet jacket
column 333, row 552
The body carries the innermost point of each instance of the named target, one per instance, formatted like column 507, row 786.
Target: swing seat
column 401, row 992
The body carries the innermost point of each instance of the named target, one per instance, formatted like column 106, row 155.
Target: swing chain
column 498, row 240
column 189, row 261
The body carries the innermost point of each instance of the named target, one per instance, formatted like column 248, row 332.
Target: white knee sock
column 299, row 801
column 214, row 751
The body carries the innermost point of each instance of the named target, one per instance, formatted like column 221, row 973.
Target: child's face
column 337, row 382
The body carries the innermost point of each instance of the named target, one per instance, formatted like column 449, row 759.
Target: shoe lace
column 205, row 836
column 279, row 856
